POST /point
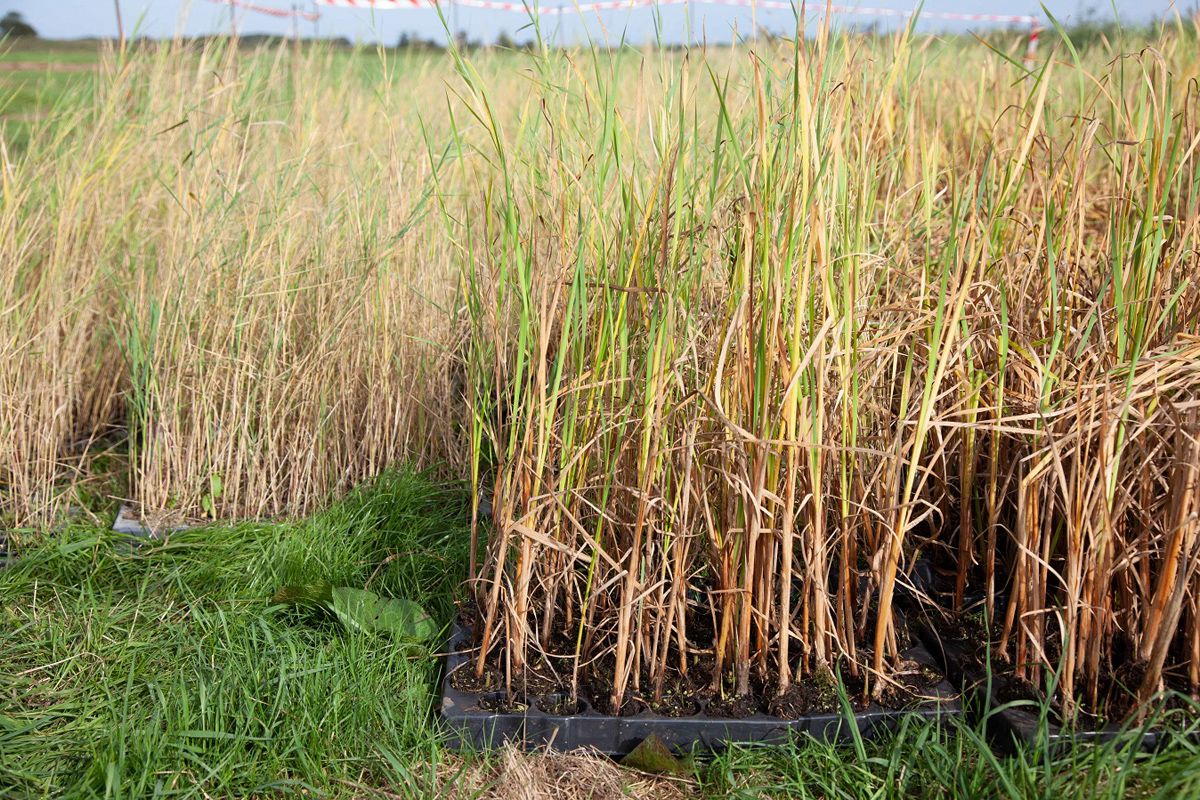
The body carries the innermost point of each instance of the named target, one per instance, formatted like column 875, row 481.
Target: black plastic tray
column 128, row 522
column 1020, row 725
column 469, row 726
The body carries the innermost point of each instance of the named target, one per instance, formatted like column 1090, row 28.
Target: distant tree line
column 1084, row 32
column 410, row 41
column 13, row 24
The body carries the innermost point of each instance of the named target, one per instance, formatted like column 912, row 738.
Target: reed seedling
column 755, row 355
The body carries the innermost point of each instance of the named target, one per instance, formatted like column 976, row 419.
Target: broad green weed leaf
column 361, row 610
column 355, row 607
column 405, row 620
column 366, row 611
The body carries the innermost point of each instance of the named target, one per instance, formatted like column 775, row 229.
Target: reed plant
column 749, row 351
column 760, row 335
column 222, row 264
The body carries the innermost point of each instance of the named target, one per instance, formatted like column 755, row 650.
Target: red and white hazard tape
column 607, row 5
column 866, row 11
column 383, row 4
column 274, row 12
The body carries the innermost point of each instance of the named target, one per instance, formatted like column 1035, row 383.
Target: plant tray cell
column 470, row 725
column 129, row 523
column 1011, row 725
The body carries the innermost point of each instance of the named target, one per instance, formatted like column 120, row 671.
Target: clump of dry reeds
column 748, row 337
column 777, row 326
column 231, row 263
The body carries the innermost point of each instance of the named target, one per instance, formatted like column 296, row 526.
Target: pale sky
column 69, row 19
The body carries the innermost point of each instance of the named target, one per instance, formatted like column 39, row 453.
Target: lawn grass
column 165, row 670
column 927, row 762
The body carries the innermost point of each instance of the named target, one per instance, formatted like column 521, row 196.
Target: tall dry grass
column 750, row 339
column 758, row 333
column 229, row 257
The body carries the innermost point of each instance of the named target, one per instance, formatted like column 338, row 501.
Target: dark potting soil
column 560, row 705
column 473, row 720
column 690, row 694
column 630, row 705
column 968, row 639
column 800, row 699
column 732, row 707
column 502, row 704
column 676, row 703
column 536, row 681
column 694, row 691
column 465, row 680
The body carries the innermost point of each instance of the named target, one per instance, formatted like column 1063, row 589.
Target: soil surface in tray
column 684, row 695
column 968, row 638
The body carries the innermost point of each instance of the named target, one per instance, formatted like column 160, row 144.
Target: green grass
column 166, row 671
column 923, row 761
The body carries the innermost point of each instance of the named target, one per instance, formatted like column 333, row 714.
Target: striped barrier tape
column 608, row 5
column 311, row 16
column 381, row 4
column 1031, row 48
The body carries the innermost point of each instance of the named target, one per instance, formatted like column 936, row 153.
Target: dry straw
column 737, row 340
column 777, row 326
